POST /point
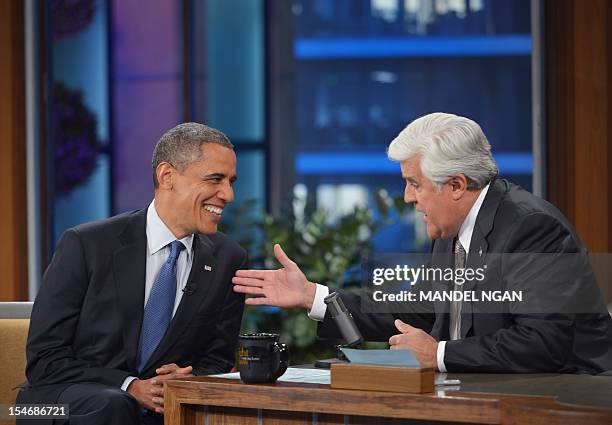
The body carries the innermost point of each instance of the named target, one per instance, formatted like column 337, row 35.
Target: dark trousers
column 97, row 404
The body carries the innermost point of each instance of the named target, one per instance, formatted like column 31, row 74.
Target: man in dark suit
column 475, row 219
column 129, row 302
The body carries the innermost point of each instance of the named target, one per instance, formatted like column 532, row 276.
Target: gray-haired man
column 470, row 213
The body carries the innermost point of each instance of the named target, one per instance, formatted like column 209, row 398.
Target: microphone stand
column 347, row 327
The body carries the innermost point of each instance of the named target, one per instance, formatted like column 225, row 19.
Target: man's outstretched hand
column 286, row 287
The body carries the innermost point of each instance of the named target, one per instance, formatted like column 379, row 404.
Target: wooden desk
column 482, row 398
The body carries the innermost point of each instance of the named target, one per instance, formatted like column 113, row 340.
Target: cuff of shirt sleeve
column 440, row 356
column 317, row 312
column 127, row 382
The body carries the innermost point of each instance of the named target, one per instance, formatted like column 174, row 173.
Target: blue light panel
column 406, row 47
column 340, row 163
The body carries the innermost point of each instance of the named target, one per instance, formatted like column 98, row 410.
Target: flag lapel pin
column 208, row 268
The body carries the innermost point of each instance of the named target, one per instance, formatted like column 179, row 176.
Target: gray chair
column 16, row 310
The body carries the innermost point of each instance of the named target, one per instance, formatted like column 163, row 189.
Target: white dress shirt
column 159, row 238
column 317, row 312
column 465, row 238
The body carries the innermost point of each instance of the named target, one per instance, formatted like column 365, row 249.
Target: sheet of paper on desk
column 381, row 357
column 308, row 376
column 233, row 375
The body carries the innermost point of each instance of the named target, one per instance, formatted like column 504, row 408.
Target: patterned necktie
column 160, row 305
column 455, row 307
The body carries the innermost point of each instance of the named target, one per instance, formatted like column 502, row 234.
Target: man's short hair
column 448, row 145
column 180, row 146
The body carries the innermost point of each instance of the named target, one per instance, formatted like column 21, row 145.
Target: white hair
column 448, row 145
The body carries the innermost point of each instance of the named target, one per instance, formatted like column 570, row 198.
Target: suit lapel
column 475, row 259
column 129, row 266
column 197, row 292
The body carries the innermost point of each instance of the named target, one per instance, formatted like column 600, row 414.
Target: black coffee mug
column 261, row 358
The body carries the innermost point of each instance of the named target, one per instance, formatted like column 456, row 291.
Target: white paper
column 308, row 376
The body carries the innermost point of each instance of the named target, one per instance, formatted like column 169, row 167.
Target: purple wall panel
column 147, row 36
column 146, row 83
column 144, row 111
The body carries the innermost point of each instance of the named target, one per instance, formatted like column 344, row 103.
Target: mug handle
column 283, row 354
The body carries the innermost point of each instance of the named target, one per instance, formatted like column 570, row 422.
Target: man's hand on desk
column 286, row 287
column 174, row 370
column 423, row 345
column 150, row 392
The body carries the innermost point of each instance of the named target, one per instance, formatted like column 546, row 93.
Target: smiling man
column 142, row 297
column 473, row 218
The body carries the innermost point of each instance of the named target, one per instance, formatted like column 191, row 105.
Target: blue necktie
column 158, row 311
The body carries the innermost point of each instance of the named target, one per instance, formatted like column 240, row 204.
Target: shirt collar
column 467, row 227
column 158, row 234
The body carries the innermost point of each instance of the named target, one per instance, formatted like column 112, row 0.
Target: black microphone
column 189, row 289
column 343, row 319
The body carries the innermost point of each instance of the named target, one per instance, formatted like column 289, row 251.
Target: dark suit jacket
column 86, row 319
column 511, row 220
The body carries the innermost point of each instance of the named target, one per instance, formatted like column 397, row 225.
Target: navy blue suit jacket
column 510, row 221
column 87, row 317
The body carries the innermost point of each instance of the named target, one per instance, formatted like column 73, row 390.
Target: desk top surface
column 566, row 389
column 584, row 390
column 581, row 390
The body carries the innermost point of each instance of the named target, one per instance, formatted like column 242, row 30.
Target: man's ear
column 165, row 175
column 459, row 185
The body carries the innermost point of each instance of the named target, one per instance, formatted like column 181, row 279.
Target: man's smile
column 213, row 209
